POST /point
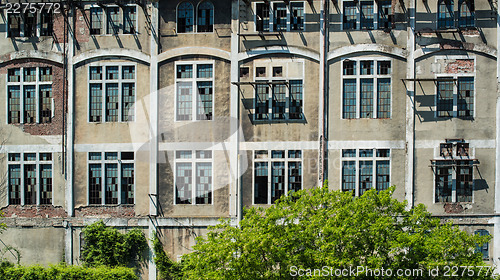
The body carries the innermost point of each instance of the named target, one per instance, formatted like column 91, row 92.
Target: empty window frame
column 115, row 20
column 453, row 180
column 279, row 16
column 111, row 178
column 366, row 89
column 483, row 248
column 193, row 177
column 466, row 14
column 30, row 24
column 194, row 91
column 445, row 14
column 205, row 20
column 366, row 15
column 276, row 173
column 455, row 97
column 365, row 169
column 29, row 95
column 112, row 87
column 29, row 178
column 185, row 17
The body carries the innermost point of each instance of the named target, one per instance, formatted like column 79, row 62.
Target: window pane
column 46, row 103
column 294, row 154
column 14, row 156
column 45, row 74
column 384, row 10
column 294, row 176
column 205, row 17
column 205, row 95
column 30, row 157
column 127, row 183
column 466, row 16
column 383, row 153
column 366, row 153
column 46, row 27
column 184, row 71
column 464, row 181
column 349, row 67
column 95, row 21
column 384, row 98
column 295, row 110
column 262, row 17
column 29, row 25
column 365, row 176
column 350, row 15
column 95, row 72
column 204, row 183
column 366, row 98
column 14, row 25
column 443, row 181
column 112, row 73
column 45, row 156
column 95, row 156
column 261, row 102
column 349, row 153
column 111, row 156
column 260, row 183
column 183, row 154
column 45, row 184
column 203, row 154
column 95, row 184
column 277, row 154
column 29, row 74
column 113, row 17
column 349, row 176
column 280, row 17
column 95, row 102
column 297, row 16
column 29, row 184
column 366, row 67
column 14, row 75
column 367, row 15
column 204, row 71
column 128, row 72
column 129, row 20
column 279, row 101
column 128, row 101
column 127, row 155
column 185, row 18
column 383, row 175
column 277, row 180
column 384, row 67
column 14, row 115
column 111, row 102
column 465, row 100
column 349, row 99
column 14, row 184
column 29, row 104
column 184, row 101
column 445, row 99
column 183, row 183
column 111, row 191
column 445, row 14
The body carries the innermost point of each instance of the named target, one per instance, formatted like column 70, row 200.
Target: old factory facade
column 171, row 115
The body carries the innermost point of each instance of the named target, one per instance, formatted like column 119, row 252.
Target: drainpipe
column 323, row 94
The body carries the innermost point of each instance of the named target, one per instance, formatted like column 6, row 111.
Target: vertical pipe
column 234, row 195
column 410, row 109
column 496, row 234
column 323, row 92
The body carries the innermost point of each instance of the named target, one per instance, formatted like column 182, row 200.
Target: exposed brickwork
column 460, row 66
column 456, row 45
column 115, row 211
column 82, row 29
column 453, row 208
column 58, row 28
column 56, row 125
column 34, row 211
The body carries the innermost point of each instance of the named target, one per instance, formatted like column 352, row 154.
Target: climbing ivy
column 107, row 246
column 168, row 269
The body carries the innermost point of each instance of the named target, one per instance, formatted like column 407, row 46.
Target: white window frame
column 271, row 16
column 103, row 83
column 104, row 22
column 374, row 159
column 193, row 160
column 103, row 161
column 358, row 15
column 270, row 161
column 37, row 163
column 37, row 83
column 194, row 80
column 358, row 78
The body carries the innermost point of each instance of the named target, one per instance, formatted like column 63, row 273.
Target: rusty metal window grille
column 96, row 18
column 113, row 18
column 185, row 18
column 45, row 184
column 206, row 17
column 129, row 20
column 14, row 103
column 29, row 110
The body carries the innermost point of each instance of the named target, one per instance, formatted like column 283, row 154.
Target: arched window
column 206, row 17
column 445, row 14
column 466, row 13
column 185, row 18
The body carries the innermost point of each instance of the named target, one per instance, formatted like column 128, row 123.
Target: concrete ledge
column 264, row 51
column 41, row 55
column 343, row 51
column 169, row 54
column 103, row 53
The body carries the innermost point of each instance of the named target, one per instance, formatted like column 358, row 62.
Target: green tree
column 107, row 246
column 315, row 228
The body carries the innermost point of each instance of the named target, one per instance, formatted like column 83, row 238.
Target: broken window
column 14, row 104
column 445, row 99
column 483, row 248
column 279, row 14
column 129, row 20
column 29, row 25
column 295, row 101
column 277, row 175
column 119, row 93
column 113, row 19
column 297, row 16
column 384, row 14
column 349, row 99
column 287, row 96
column 277, row 71
column 244, row 72
column 384, row 98
column 279, row 101
column 260, row 72
column 367, row 15
column 459, row 95
column 349, row 67
column 47, row 25
column 118, row 178
column 185, row 18
column 462, row 149
column 29, row 110
column 465, row 102
column 445, row 14
column 14, row 25
column 372, row 170
column 453, row 180
column 201, row 180
column 34, row 176
column 200, row 99
column 46, row 103
column 96, row 19
column 262, row 16
column 366, row 98
column 350, row 15
column 29, row 74
column 206, row 17
column 466, row 13
column 261, row 101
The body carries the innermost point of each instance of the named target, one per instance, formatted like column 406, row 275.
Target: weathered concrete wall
column 179, row 240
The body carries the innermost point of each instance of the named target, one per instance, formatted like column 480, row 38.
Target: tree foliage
column 318, row 228
column 168, row 269
column 107, row 246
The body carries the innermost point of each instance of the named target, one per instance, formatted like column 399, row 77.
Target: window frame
column 289, row 16
column 22, row 163
column 121, row 17
column 103, row 82
column 269, row 160
column 193, row 160
column 456, row 84
column 357, row 159
column 197, row 18
column 119, row 163
column 439, row 20
column 38, row 25
column 194, row 86
column 358, row 7
column 375, row 77
column 38, row 84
